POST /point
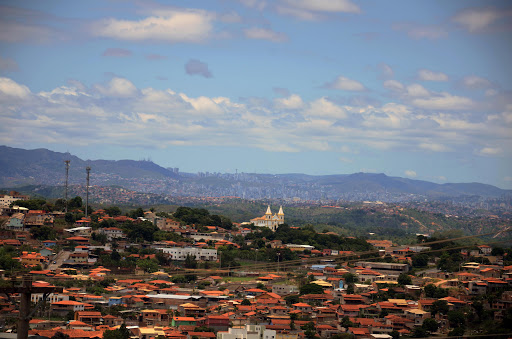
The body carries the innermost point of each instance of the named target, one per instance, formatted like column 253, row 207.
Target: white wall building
column 52, row 298
column 249, row 332
column 112, row 233
column 180, row 253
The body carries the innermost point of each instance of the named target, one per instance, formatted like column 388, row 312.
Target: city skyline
column 419, row 90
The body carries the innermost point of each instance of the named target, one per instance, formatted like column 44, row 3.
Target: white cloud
column 477, row 19
column 119, row 113
column 394, row 85
column 417, row 31
column 428, row 75
column 118, row 87
column 475, row 82
column 386, row 70
column 265, row 34
column 171, row 26
column 346, row 160
column 292, row 102
column 490, row 151
column 324, row 5
column 410, row 174
column 11, row 89
column 416, row 90
column 434, row 147
column 346, row 84
column 325, row 108
column 444, row 101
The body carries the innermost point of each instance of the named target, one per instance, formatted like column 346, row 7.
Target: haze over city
column 414, row 89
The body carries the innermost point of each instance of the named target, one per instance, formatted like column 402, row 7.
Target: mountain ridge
column 42, row 166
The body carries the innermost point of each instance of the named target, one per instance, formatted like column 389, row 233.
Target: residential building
column 180, row 253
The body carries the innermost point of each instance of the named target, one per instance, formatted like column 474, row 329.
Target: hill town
column 188, row 273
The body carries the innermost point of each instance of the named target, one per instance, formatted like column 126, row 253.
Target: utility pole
column 87, row 169
column 25, row 291
column 278, row 257
column 67, row 175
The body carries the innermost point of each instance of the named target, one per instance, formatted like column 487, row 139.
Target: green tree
column 60, row 335
column 113, row 211
column 76, row 202
column 43, row 232
column 456, row 319
column 430, row 290
column 311, row 289
column 121, row 333
column 404, row 279
column 246, row 302
column 430, row 325
column 292, row 299
column 69, row 218
column 190, row 261
column 148, row 265
column 439, row 306
column 136, row 213
column 350, row 278
column 309, row 330
column 420, row 260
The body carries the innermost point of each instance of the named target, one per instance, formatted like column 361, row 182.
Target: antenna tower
column 87, row 169
column 66, row 190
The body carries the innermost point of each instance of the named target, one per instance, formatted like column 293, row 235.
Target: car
column 54, row 262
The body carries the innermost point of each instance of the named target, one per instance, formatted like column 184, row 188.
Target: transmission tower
column 87, row 169
column 67, row 175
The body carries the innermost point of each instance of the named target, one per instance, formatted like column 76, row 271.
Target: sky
column 417, row 89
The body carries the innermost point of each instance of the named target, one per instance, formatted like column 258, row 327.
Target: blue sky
column 418, row 89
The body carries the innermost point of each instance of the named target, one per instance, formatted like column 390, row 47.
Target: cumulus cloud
column 11, row 89
column 490, row 151
column 264, row 34
column 416, row 90
column 434, row 147
column 292, row 102
column 196, row 67
column 324, row 108
column 394, row 85
column 345, row 84
column 417, row 31
column 170, row 26
column 428, row 75
column 119, row 113
column 313, row 10
column 410, row 174
column 118, row 87
column 444, row 101
column 386, row 70
column 475, row 82
column 478, row 19
column 117, row 52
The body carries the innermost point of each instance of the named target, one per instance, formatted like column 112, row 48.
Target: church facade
column 269, row 220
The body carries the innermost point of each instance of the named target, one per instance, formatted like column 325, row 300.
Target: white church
column 269, row 220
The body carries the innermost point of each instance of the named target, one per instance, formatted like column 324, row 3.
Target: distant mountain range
column 44, row 167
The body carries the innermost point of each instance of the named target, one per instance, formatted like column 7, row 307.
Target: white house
column 112, row 233
column 180, row 253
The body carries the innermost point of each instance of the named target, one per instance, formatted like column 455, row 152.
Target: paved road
column 59, row 259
